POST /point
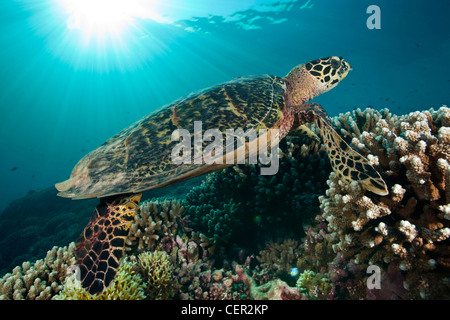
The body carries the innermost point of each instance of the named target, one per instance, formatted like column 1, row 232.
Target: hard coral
column 156, row 270
column 410, row 226
column 162, row 225
column 313, row 285
column 156, row 221
column 238, row 201
column 279, row 258
column 273, row 290
column 127, row 285
column 40, row 280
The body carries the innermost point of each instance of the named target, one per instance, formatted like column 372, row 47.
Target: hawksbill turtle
column 139, row 157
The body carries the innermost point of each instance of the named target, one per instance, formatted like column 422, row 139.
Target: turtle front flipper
column 303, row 130
column 102, row 243
column 348, row 164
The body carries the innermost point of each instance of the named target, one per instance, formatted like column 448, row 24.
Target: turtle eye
column 335, row 63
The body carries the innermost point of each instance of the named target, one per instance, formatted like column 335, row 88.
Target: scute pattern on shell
column 139, row 157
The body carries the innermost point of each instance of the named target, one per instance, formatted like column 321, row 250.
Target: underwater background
column 68, row 84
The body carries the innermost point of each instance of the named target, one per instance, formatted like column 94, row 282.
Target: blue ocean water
column 70, row 80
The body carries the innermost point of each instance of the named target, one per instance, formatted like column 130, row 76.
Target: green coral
column 148, row 277
column 156, row 269
column 127, row 285
column 238, row 201
column 313, row 285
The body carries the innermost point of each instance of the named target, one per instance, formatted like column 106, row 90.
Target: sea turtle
column 139, row 157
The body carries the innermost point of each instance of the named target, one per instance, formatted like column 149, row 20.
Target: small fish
column 14, row 168
column 294, row 272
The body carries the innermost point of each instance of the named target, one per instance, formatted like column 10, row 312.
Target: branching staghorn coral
column 409, row 227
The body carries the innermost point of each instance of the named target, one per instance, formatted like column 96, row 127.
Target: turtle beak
column 345, row 64
column 344, row 68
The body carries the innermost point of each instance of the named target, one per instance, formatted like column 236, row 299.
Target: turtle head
column 313, row 78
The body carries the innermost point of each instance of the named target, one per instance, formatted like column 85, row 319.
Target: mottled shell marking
column 139, row 157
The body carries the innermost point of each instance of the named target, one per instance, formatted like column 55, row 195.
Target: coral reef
column 127, row 285
column 214, row 284
column 40, row 280
column 155, row 219
column 163, row 226
column 408, row 228
column 277, row 259
column 238, row 201
column 158, row 222
column 238, row 234
column 313, row 285
column 34, row 224
column 273, row 290
column 157, row 274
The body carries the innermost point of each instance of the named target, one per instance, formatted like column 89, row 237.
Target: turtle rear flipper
column 102, row 243
column 348, row 164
